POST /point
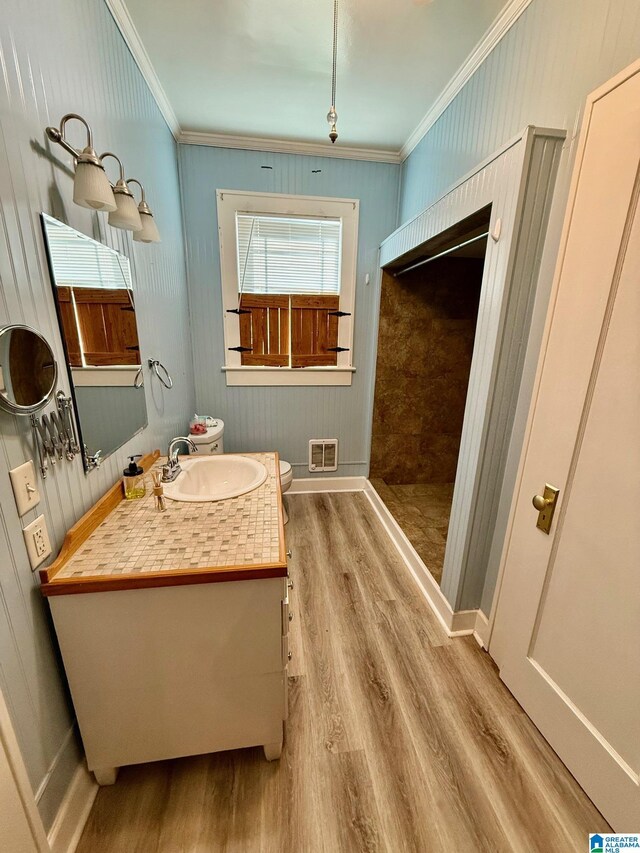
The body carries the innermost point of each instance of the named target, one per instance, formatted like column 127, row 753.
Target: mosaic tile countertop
column 136, row 539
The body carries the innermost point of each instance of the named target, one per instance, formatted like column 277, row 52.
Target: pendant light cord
column 335, row 53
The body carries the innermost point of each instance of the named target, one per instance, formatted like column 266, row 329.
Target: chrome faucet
column 171, row 470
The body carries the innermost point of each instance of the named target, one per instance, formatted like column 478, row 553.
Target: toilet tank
column 210, row 441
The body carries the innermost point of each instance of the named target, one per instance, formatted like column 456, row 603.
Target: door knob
column 540, row 502
column 546, row 506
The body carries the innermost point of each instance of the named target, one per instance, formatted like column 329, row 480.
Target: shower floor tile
column 422, row 511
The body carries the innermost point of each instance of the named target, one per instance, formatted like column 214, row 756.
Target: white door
column 567, row 629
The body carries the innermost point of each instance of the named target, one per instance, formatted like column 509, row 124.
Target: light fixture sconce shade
column 149, row 232
column 126, row 216
column 91, row 187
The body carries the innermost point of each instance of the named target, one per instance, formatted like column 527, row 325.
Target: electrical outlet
column 25, row 487
column 36, row 537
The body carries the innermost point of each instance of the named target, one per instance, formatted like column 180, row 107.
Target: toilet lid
column 285, row 467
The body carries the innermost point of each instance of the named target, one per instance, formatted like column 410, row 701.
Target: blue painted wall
column 59, row 57
column 540, row 73
column 284, row 418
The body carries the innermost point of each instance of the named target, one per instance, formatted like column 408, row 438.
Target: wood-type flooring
column 398, row 738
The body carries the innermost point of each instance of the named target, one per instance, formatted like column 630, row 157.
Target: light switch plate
column 25, row 487
column 36, row 537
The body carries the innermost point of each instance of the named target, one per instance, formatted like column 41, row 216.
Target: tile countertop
column 137, row 543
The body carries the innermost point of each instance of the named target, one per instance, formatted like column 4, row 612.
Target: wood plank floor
column 398, row 739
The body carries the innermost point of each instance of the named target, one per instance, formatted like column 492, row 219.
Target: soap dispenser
column 133, row 480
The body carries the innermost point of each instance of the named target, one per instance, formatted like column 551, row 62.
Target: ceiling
column 262, row 68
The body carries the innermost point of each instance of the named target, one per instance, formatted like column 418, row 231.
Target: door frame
column 15, row 782
column 517, row 181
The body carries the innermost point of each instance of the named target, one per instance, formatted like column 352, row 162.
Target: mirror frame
column 16, row 408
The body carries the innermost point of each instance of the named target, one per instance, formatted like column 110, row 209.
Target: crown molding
column 286, row 146
column 496, row 32
column 125, row 24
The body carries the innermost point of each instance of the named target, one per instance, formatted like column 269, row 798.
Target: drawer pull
column 291, row 617
column 289, row 655
column 289, row 552
column 290, row 584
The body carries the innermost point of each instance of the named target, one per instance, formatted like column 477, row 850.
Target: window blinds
column 288, row 255
column 78, row 261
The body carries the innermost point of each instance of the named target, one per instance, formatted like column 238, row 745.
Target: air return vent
column 323, row 454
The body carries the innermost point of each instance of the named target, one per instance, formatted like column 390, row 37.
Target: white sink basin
column 216, row 478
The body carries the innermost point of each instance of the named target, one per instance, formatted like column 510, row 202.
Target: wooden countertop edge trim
column 84, row 527
column 150, row 580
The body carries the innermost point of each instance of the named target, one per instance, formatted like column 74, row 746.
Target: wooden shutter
column 69, row 326
column 107, row 323
column 313, row 331
column 265, row 331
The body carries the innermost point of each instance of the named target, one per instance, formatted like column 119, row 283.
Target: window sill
column 110, row 375
column 247, row 376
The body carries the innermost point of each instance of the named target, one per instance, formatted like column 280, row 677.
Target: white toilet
column 212, row 441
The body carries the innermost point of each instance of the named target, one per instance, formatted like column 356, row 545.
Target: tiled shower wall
column 59, row 57
column 425, row 343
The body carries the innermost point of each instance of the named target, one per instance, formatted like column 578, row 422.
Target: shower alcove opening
column 427, row 325
column 462, row 304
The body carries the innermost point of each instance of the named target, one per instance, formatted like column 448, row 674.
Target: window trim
column 348, row 210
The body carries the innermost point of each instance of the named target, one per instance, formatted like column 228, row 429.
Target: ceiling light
column 126, row 216
column 332, row 115
column 91, row 187
column 149, row 232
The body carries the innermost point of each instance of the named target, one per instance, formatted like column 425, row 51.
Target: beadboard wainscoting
column 61, row 57
column 282, row 418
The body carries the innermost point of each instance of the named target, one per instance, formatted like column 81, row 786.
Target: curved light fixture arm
column 136, row 181
column 87, row 154
column 143, row 207
column 118, row 161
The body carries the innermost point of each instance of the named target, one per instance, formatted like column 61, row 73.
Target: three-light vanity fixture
column 93, row 189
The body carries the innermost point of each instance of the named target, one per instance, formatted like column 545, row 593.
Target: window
column 288, row 286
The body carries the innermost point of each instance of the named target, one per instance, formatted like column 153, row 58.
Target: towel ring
column 157, row 366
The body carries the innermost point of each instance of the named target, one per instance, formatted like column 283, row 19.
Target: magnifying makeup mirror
column 28, row 370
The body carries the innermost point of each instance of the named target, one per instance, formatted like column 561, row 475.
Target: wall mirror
column 95, row 301
column 28, row 370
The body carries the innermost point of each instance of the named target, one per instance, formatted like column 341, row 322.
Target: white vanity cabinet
column 173, row 625
column 180, row 670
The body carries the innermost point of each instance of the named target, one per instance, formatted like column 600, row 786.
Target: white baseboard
column 310, row 485
column 481, row 632
column 73, row 812
column 456, row 623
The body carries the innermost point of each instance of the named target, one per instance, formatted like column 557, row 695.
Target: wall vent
column 323, row 454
